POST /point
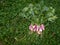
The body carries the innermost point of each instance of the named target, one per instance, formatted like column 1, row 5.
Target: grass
column 14, row 28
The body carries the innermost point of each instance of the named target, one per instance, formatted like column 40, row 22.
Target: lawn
column 14, row 28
